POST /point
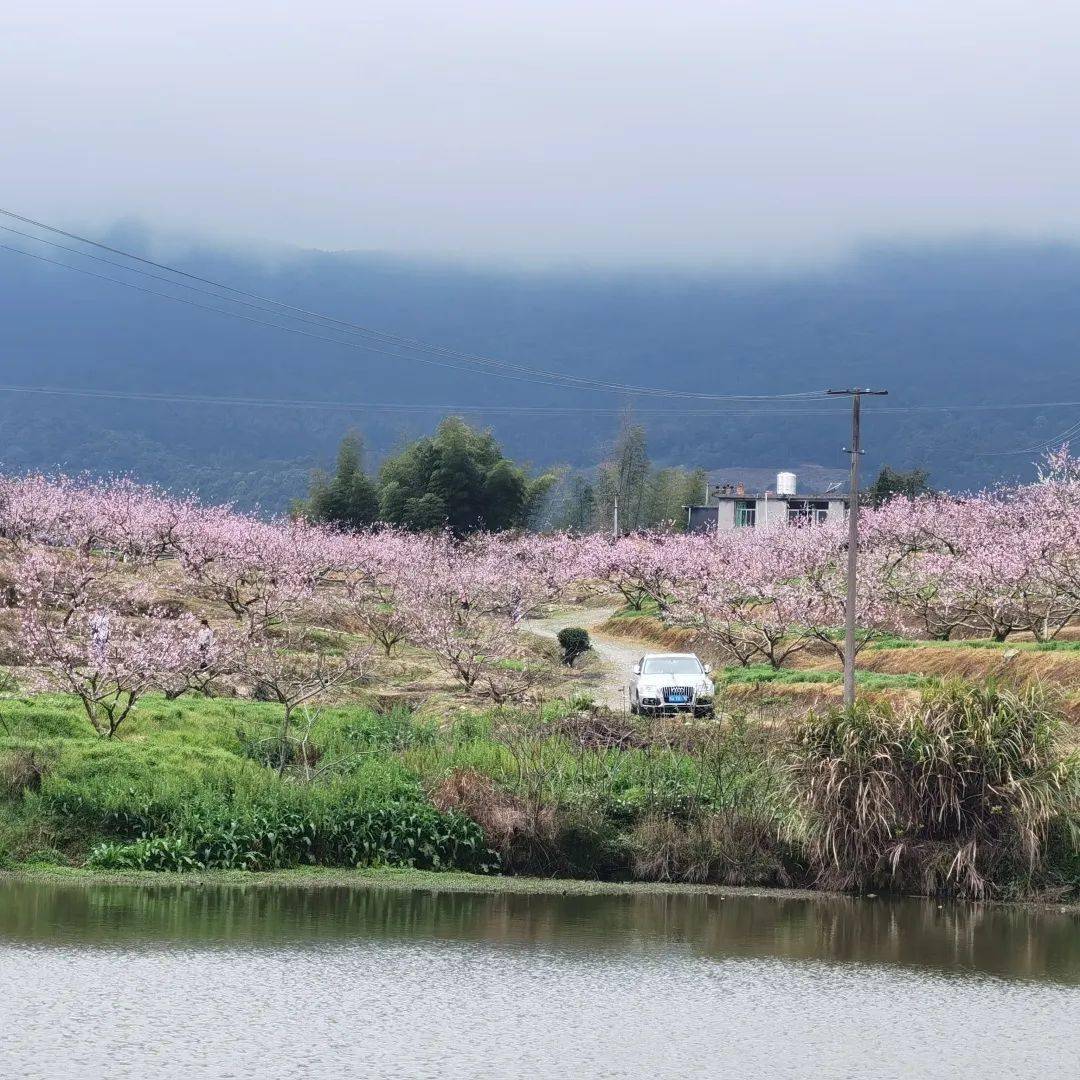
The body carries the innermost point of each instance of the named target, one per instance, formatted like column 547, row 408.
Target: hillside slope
column 973, row 323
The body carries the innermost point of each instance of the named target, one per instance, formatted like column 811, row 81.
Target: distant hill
column 989, row 323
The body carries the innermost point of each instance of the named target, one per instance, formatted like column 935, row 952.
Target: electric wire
column 1049, row 444
column 382, row 343
column 283, row 310
column 310, row 403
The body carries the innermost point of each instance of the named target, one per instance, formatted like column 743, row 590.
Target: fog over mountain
column 617, row 131
column 972, row 323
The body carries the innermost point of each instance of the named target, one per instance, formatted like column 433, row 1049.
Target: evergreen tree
column 458, row 478
column 349, row 498
column 891, row 482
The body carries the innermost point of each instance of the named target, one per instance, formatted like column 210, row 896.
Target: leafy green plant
column 149, row 853
column 574, row 642
column 277, row 837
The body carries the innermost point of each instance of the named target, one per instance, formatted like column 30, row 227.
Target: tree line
column 459, row 479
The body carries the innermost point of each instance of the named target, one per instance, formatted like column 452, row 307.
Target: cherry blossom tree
column 283, row 667
column 109, row 662
column 377, row 570
column 466, row 600
column 741, row 598
column 260, row 571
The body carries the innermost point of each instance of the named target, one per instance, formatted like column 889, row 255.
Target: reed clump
column 955, row 794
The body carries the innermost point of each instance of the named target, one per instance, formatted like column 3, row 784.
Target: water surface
column 217, row 981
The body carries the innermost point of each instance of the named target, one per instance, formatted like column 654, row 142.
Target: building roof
column 811, row 495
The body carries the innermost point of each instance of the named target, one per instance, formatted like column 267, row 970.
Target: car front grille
column 684, row 695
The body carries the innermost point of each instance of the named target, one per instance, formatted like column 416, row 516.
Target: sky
column 611, row 132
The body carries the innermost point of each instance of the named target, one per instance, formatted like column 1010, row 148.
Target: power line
column 309, row 403
column 382, row 343
column 245, row 318
column 1050, row 443
column 294, row 403
column 283, row 310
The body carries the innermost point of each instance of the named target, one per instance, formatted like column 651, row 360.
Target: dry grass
column 21, row 771
column 650, row 629
column 521, row 830
column 601, row 729
column 724, row 848
column 1060, row 668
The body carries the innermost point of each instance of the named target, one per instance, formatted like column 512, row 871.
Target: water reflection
column 1042, row 944
column 187, row 982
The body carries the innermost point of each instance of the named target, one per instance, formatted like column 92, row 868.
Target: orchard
column 115, row 590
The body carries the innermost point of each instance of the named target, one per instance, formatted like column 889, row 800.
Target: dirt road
column 609, row 674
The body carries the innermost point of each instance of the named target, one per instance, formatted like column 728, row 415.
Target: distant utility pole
column 853, row 540
column 615, row 523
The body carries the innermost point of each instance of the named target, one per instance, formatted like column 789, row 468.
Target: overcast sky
column 610, row 131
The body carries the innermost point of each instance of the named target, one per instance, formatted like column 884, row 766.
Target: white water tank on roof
column 785, row 483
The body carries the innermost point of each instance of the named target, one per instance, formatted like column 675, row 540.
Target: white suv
column 671, row 682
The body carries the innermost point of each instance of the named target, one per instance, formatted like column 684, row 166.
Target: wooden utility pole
column 850, row 602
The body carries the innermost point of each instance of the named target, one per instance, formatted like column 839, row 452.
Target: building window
column 807, row 512
column 745, row 512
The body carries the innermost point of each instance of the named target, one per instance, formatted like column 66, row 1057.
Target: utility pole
column 615, row 525
column 850, row 604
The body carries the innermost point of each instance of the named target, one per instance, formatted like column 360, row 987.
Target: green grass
column 760, row 674
column 558, row 791
column 649, row 607
column 193, row 783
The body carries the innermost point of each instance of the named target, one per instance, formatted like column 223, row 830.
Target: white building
column 731, row 506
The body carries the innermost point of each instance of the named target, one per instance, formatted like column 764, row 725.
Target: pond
column 284, row 981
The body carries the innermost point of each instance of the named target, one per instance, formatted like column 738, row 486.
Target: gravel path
column 609, row 675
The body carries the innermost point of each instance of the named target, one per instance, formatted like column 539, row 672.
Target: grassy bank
column 556, row 792
column 201, row 784
column 384, row 877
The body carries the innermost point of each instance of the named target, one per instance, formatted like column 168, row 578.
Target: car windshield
column 671, row 665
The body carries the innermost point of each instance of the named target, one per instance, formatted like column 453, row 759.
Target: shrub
column 955, row 795
column 574, row 641
column 724, row 848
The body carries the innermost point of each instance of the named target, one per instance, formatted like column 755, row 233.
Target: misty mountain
column 994, row 324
